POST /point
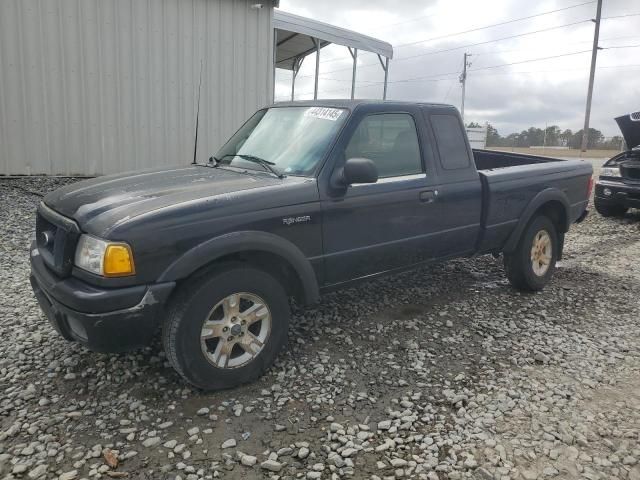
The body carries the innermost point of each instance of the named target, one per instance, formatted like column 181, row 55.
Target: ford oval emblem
column 46, row 238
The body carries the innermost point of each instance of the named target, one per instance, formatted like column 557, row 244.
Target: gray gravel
column 446, row 372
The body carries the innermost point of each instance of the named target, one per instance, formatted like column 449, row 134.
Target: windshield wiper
column 267, row 165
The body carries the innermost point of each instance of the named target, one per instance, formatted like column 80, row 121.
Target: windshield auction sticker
column 324, row 113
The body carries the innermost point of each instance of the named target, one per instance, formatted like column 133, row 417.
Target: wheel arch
column 551, row 202
column 270, row 252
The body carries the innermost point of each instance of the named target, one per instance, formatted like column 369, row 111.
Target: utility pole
column 463, row 81
column 592, row 74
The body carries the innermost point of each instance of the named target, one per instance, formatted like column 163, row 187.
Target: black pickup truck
column 306, row 197
column 618, row 187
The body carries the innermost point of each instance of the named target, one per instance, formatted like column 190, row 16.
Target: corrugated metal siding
column 100, row 86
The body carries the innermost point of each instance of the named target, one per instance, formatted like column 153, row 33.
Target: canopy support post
column 297, row 63
column 386, row 77
column 385, row 67
column 315, row 88
column 275, row 61
column 354, row 55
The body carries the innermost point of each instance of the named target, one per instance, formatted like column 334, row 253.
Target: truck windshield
column 290, row 140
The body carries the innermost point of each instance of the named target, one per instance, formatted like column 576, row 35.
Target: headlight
column 109, row 259
column 610, row 172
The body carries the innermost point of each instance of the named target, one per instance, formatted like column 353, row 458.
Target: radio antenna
column 195, row 146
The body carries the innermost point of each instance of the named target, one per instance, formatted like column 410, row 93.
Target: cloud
column 512, row 98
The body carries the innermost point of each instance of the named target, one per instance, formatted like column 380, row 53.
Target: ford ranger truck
column 305, row 198
column 618, row 188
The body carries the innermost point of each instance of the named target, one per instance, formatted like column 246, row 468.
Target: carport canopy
column 297, row 37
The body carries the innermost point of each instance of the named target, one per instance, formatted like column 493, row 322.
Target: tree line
column 553, row 137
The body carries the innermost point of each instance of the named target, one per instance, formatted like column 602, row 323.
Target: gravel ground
column 445, row 372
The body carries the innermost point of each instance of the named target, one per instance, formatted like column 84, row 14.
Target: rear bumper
column 104, row 320
column 622, row 194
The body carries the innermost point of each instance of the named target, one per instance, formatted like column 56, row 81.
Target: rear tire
column 609, row 210
column 226, row 327
column 531, row 266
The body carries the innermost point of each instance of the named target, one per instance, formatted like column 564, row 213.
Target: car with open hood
column 618, row 188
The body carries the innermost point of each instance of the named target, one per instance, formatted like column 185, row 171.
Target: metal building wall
column 99, row 86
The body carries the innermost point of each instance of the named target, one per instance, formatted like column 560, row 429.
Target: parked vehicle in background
column 618, row 188
column 305, row 198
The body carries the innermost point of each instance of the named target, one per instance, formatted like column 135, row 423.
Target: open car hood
column 630, row 128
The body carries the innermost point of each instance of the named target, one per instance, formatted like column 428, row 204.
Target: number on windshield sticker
column 324, row 113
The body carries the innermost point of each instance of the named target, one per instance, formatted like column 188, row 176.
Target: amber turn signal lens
column 118, row 261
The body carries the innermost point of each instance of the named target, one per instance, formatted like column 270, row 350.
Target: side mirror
column 359, row 170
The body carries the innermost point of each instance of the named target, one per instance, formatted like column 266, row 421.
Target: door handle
column 428, row 196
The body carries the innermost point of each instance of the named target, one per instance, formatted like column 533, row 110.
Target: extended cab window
column 390, row 140
column 452, row 145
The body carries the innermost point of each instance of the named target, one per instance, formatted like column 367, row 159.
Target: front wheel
column 225, row 328
column 531, row 265
column 609, row 210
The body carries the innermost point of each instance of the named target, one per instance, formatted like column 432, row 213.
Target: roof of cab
column 351, row 104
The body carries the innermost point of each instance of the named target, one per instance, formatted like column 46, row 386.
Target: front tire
column 609, row 210
column 226, row 327
column 531, row 266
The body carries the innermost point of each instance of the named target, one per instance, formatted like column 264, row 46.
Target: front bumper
column 623, row 194
column 102, row 319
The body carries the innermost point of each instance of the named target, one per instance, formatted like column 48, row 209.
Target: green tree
column 594, row 140
column 553, row 136
column 565, row 137
column 493, row 137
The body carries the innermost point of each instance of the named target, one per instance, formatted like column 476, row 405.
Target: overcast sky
column 511, row 98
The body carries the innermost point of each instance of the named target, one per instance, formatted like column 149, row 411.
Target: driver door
column 371, row 228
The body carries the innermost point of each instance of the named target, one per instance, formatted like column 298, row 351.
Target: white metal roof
column 295, row 34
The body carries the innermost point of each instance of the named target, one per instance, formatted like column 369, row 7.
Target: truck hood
column 630, row 128
column 115, row 198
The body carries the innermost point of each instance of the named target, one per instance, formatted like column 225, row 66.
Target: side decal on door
column 292, row 220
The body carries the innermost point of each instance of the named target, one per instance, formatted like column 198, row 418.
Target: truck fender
column 244, row 241
column 545, row 196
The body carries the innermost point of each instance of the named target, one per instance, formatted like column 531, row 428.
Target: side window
column 451, row 143
column 390, row 140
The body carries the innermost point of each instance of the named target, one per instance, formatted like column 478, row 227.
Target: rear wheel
column 531, row 265
column 609, row 210
column 225, row 328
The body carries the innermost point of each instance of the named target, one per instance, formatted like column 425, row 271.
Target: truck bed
column 491, row 159
column 510, row 181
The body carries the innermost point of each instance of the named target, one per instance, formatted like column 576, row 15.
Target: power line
column 621, row 16
column 333, row 59
column 493, row 74
column 494, row 52
column 410, row 57
column 374, row 82
column 620, row 46
column 531, row 60
column 491, row 26
column 406, row 80
column 461, row 46
column 427, row 77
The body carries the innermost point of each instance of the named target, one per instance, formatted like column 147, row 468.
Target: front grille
column 633, row 195
column 630, row 170
column 56, row 238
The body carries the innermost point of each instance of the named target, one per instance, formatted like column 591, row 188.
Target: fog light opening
column 607, row 192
